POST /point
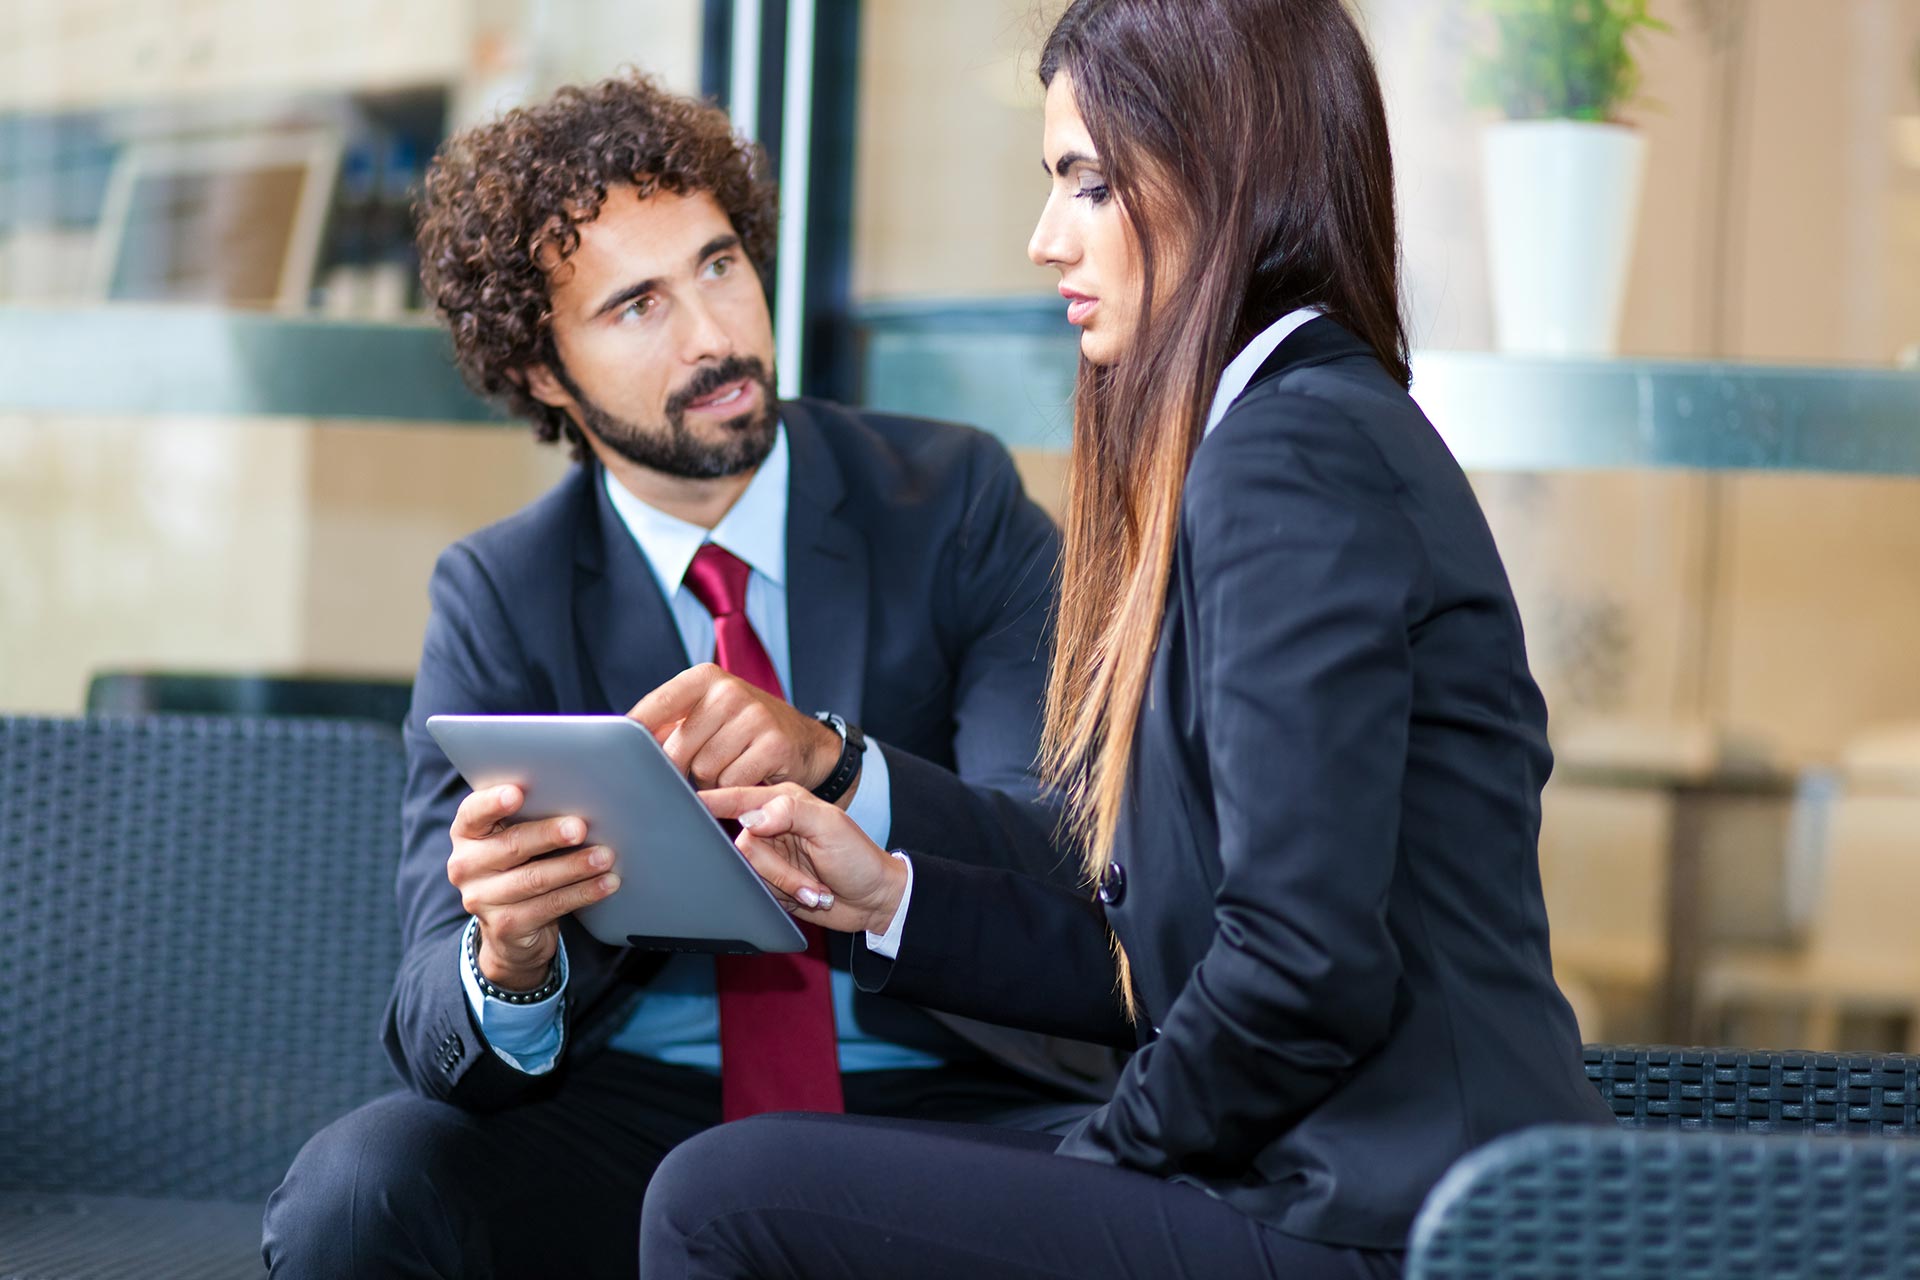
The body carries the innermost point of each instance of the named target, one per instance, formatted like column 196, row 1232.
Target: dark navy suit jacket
column 919, row 588
column 1331, row 896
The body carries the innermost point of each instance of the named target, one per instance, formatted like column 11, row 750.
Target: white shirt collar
column 755, row 528
column 1239, row 372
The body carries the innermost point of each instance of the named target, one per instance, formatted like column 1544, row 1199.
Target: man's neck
column 700, row 502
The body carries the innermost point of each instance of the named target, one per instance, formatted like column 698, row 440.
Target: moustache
column 712, row 378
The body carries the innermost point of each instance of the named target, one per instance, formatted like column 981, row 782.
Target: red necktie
column 778, row 1050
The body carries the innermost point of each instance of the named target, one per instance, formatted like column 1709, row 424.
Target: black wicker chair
column 1728, row 1162
column 197, row 935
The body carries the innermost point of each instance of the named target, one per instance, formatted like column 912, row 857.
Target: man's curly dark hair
column 503, row 202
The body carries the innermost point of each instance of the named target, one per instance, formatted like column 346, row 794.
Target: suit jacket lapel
column 625, row 625
column 826, row 576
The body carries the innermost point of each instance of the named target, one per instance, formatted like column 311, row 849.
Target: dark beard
column 671, row 449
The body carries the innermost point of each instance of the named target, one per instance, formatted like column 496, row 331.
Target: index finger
column 731, row 802
column 788, row 810
column 484, row 810
column 672, row 701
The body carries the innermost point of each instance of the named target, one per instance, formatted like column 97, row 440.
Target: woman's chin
column 1097, row 347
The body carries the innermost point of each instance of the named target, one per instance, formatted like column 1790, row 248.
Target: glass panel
column 258, row 157
column 263, row 156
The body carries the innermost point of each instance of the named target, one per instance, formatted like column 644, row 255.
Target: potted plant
column 1563, row 171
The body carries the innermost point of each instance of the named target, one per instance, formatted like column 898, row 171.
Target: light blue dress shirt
column 678, row 1020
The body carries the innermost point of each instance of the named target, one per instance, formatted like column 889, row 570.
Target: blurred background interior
column 231, row 442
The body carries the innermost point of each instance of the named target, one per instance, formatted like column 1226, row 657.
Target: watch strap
column 853, row 746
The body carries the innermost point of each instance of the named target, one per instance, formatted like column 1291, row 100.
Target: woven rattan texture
column 1600, row 1204
column 60, row 1237
column 1861, row 1094
column 197, row 935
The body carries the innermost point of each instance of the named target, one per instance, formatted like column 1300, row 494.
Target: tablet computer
column 683, row 886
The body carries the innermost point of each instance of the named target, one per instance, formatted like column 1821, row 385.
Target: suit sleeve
column 1002, row 947
column 1306, row 577
column 1000, row 592
column 469, row 663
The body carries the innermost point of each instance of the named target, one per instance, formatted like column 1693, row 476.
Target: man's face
column 666, row 347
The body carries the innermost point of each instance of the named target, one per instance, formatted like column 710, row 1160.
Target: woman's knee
column 719, row 1174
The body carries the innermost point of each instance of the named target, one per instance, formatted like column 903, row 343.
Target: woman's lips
column 1079, row 306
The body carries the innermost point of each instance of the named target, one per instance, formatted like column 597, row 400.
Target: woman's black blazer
column 1326, row 876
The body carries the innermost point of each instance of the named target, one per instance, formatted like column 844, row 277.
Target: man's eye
column 637, row 308
column 721, row 266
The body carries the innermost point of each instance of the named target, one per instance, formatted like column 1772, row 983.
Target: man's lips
column 730, row 396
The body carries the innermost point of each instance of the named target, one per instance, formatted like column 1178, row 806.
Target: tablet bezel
column 684, row 886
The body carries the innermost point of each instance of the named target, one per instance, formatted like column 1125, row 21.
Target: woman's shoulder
column 1325, row 427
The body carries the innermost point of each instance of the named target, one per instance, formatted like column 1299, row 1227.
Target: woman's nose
column 1050, row 245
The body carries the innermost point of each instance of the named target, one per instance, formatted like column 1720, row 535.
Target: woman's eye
column 1095, row 194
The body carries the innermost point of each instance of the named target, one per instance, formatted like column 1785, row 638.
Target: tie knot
column 718, row 580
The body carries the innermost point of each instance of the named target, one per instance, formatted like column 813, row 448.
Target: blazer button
column 1113, row 885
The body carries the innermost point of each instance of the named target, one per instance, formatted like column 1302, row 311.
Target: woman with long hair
column 1290, row 711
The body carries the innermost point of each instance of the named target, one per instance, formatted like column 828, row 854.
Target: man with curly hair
column 600, row 260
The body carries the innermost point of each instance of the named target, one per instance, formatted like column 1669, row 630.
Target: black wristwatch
column 853, row 745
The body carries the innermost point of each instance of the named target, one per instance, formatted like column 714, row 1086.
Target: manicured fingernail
column 753, row 818
column 808, row 898
column 609, row 883
column 825, row 902
column 600, row 858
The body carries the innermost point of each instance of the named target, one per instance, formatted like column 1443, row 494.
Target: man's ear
column 540, row 383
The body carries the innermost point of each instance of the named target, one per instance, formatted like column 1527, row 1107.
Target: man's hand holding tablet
column 514, row 880
column 541, row 784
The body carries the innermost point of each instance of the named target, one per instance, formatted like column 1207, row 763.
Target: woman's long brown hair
column 1245, row 141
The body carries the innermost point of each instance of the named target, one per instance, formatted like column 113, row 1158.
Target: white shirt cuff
column 888, row 944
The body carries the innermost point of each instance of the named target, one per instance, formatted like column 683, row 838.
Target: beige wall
column 948, row 182
column 65, row 54
column 146, row 544
column 77, row 54
column 382, row 502
column 232, row 545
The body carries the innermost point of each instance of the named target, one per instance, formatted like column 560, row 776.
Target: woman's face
column 1084, row 235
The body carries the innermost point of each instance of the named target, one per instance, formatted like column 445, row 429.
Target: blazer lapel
column 625, row 625
column 826, row 577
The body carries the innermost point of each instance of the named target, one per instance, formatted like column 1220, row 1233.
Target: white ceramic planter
column 1563, row 198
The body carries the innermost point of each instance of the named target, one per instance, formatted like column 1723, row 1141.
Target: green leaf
column 1560, row 58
